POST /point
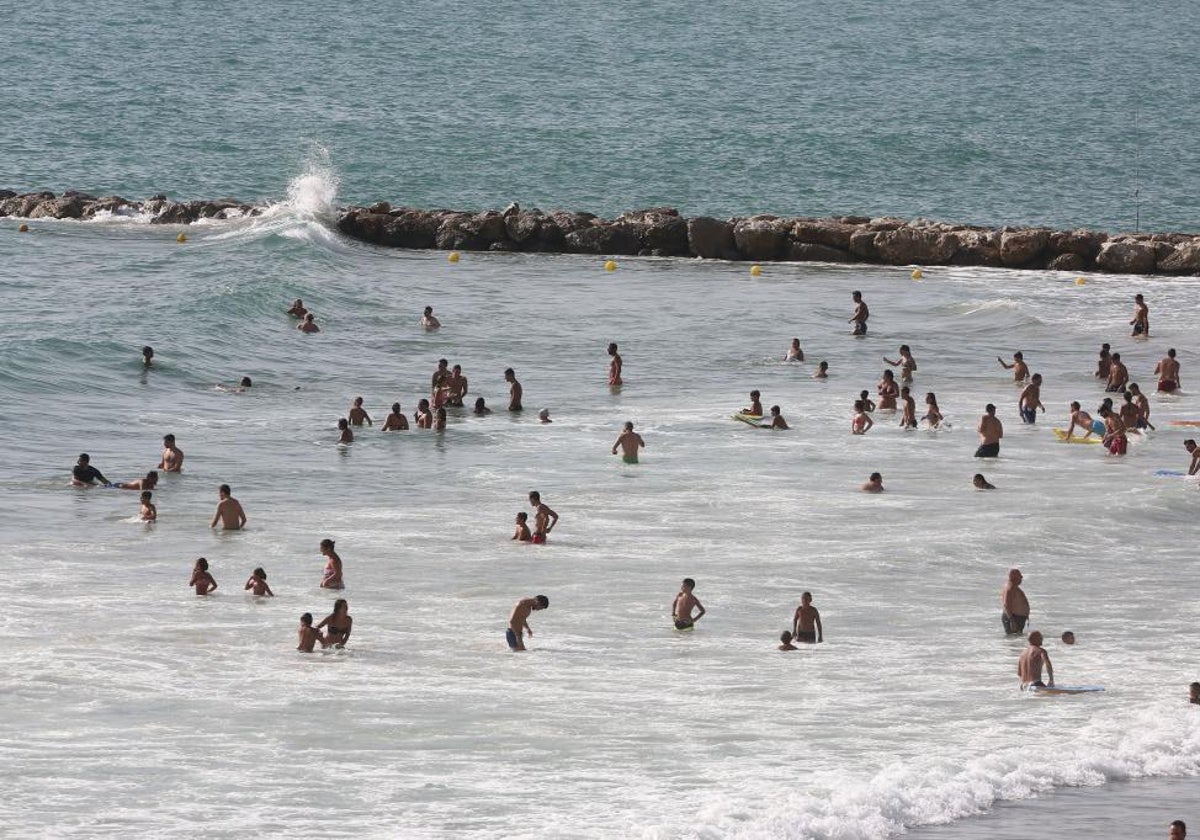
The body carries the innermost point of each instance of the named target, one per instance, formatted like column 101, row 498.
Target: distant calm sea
column 128, row 707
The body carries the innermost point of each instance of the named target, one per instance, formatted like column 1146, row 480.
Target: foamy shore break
column 662, row 232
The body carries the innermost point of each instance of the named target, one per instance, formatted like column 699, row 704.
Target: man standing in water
column 429, row 321
column 990, row 431
column 229, row 511
column 861, row 314
column 1194, row 451
column 685, row 602
column 518, row 620
column 806, row 623
column 1018, row 367
column 544, row 519
column 1014, row 604
column 630, row 442
column 614, row 367
column 1029, row 666
column 1141, row 318
column 1031, row 400
column 515, row 391
column 172, row 456
column 1118, row 374
column 1167, row 371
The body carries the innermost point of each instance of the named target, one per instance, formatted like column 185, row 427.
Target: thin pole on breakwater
column 1137, row 174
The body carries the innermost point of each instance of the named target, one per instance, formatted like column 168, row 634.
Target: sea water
column 133, row 705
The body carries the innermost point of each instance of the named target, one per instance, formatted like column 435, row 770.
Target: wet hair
column 340, row 604
column 1116, row 357
column 147, row 350
column 443, row 362
column 396, row 407
column 535, row 496
column 785, row 636
column 202, row 563
column 1018, row 355
column 423, row 404
column 1178, row 823
column 774, row 409
column 856, row 294
column 168, row 438
column 876, row 476
column 612, row 347
column 1036, row 634
column 457, row 368
column 1067, row 634
column 629, row 425
column 544, row 414
column 509, row 372
column 85, row 457
column 905, row 391
column 479, row 403
column 804, row 595
column 930, row 398
column 522, row 516
column 990, row 408
column 358, row 400
column 754, row 395
column 904, row 348
column 1192, row 441
column 978, row 477
column 1075, row 405
column 864, row 394
column 1171, row 352
column 428, row 310
column 146, row 495
column 887, row 374
column 260, row 574
column 246, row 383
column 1037, row 377
column 542, row 601
column 825, row 364
column 689, row 583
column 342, row 423
column 327, row 543
column 306, row 619
column 224, row 488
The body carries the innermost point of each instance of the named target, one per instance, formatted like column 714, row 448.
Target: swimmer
column 1194, row 694
column 1115, row 437
column 544, row 416
column 991, row 430
column 429, row 321
column 257, row 583
column 1014, row 605
column 172, row 456
column 822, row 371
column 806, row 623
column 1104, row 364
column 933, row 415
column 147, row 356
column 629, row 442
column 518, row 621
column 204, row 582
column 755, row 409
column 481, row 407
column 777, row 421
column 1029, row 666
column 396, row 421
column 544, row 519
column 874, row 483
column 981, row 483
column 785, row 641
column 346, row 435
column 515, row 391
column 439, row 420
column 1031, row 400
column 1081, row 419
column 868, row 403
column 888, row 390
column 439, row 383
column 794, row 353
column 309, row 635
column 331, row 575
column 1194, row 451
column 1167, row 371
column 337, row 624
column 229, row 511
column 614, row 367
column 1118, row 374
column 243, row 385
column 147, row 483
column 1177, row 830
column 1068, row 638
column 684, row 605
column 423, row 416
column 861, row 314
column 522, row 533
column 149, row 512
column 908, row 411
column 1141, row 318
column 457, row 386
column 1018, row 367
column 861, row 422
column 906, row 363
column 298, row 309
column 308, row 325
column 358, row 414
column 83, row 474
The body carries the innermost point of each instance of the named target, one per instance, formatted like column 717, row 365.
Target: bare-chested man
column 1167, row 371
column 1033, row 658
column 429, row 321
column 629, row 442
column 1018, row 367
column 908, row 409
column 457, row 386
column 229, row 511
column 1104, row 362
column 1194, row 451
column 544, row 519
column 172, row 456
column 1141, row 318
column 1115, row 436
column 396, row 421
column 298, row 309
column 861, row 314
column 518, row 621
column 991, row 430
column 358, row 414
column 1118, row 374
column 684, row 605
column 308, row 325
column 1031, row 400
column 1013, row 604
column 874, row 484
column 614, row 367
column 777, row 422
column 806, row 622
column 515, row 391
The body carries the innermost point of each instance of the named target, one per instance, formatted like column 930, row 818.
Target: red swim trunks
column 1118, row 445
column 1167, row 386
column 538, row 539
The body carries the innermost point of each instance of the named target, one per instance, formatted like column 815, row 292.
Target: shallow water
column 135, row 706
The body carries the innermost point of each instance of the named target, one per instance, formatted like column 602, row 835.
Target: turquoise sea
column 130, row 707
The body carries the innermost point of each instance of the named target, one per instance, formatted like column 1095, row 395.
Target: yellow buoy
column 756, row 270
column 1079, row 281
column 916, row 274
column 24, row 228
column 610, row 265
column 182, row 237
column 452, row 256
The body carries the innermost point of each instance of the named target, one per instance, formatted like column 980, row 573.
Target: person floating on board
column 755, row 409
column 1014, row 605
column 806, row 622
column 1081, row 419
column 684, row 605
column 518, row 621
column 1031, row 662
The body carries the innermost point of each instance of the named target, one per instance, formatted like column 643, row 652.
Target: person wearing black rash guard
column 84, row 474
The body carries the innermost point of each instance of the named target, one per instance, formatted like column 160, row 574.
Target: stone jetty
column 663, row 232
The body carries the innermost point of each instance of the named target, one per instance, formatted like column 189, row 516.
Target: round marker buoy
column 916, row 274
column 1079, row 281
column 452, row 256
column 610, row 265
column 756, row 270
column 181, row 238
column 24, row 228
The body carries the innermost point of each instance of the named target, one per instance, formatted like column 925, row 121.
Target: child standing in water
column 257, row 583
column 149, row 511
column 201, row 579
column 309, row 635
column 862, row 421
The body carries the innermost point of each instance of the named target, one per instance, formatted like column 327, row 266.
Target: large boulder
column 1022, row 246
column 711, row 238
column 660, row 231
column 569, row 222
column 1126, row 257
column 603, row 238
column 365, row 226
column 65, row 207
column 1085, row 243
column 1184, row 259
column 759, row 238
column 172, row 213
column 906, row 245
column 409, row 229
column 862, row 245
column 459, row 232
column 977, row 247
column 830, row 232
column 1067, row 262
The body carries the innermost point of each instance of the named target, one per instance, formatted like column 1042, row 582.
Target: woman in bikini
column 331, row 576
column 337, row 624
